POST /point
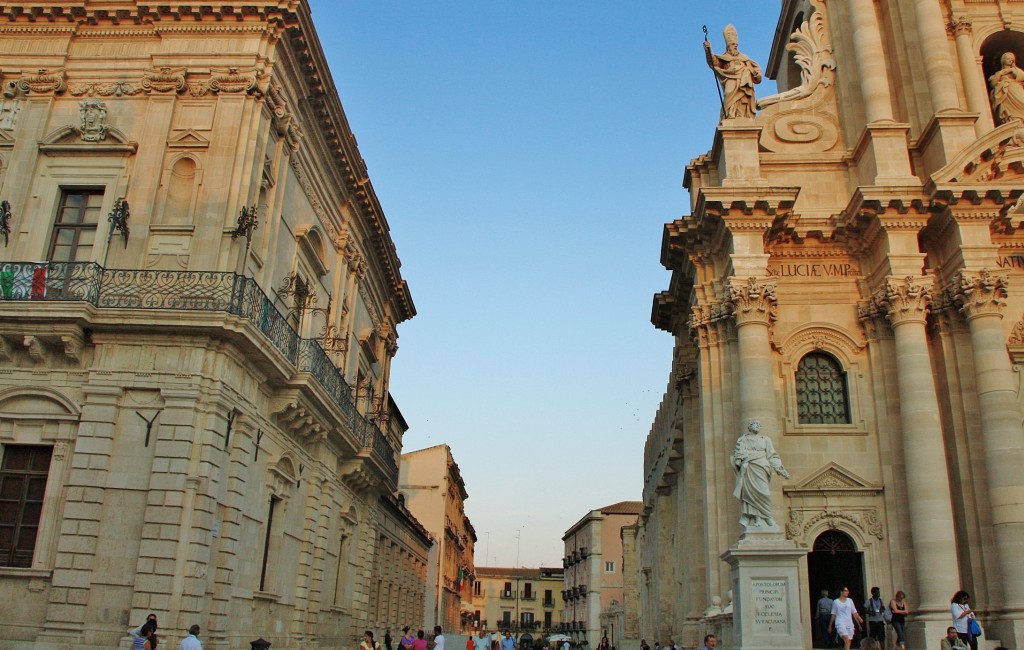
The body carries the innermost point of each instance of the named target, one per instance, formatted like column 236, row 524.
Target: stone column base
column 767, row 594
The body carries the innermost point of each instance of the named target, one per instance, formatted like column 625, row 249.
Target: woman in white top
column 844, row 617
column 961, row 612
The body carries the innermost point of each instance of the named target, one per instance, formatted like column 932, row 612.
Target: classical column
column 975, row 86
column 938, row 68
column 905, row 302
column 982, row 298
column 752, row 304
column 867, row 50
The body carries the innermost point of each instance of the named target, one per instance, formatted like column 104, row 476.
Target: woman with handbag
column 963, row 615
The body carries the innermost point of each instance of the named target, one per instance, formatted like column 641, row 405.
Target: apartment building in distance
column 433, row 490
column 199, row 302
column 518, row 599
column 593, row 569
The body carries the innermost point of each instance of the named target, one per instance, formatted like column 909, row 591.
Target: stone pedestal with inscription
column 767, row 594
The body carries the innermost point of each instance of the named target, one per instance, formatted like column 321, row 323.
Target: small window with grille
column 822, row 393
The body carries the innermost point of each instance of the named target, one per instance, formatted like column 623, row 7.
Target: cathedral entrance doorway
column 834, row 562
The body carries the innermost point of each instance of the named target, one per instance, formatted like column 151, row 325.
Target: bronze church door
column 834, row 562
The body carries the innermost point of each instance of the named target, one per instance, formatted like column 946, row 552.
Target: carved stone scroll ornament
column 228, row 80
column 812, row 51
column 164, row 80
column 903, row 300
column 753, row 300
column 866, row 520
column 981, row 293
column 42, row 82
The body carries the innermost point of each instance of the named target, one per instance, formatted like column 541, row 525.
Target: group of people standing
column 409, row 640
column 839, row 618
column 144, row 637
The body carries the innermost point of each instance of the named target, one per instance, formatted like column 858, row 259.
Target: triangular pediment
column 993, row 159
column 188, row 139
column 834, row 477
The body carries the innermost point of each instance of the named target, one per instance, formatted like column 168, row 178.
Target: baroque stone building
column 432, row 486
column 199, row 298
column 849, row 274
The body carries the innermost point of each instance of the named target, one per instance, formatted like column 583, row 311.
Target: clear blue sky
column 527, row 155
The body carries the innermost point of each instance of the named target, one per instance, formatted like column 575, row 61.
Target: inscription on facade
column 813, row 270
column 770, row 615
column 1010, row 261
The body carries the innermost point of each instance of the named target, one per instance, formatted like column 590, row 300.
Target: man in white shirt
column 438, row 638
column 481, row 642
column 191, row 642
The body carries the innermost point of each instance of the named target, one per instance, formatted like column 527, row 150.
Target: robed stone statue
column 1008, row 89
column 738, row 73
column 754, row 460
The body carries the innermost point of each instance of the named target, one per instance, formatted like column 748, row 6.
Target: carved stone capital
column 752, row 301
column 905, row 300
column 703, row 322
column 961, row 25
column 981, row 293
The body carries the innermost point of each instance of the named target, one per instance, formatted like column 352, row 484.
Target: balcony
column 528, row 595
column 549, row 602
column 508, row 595
column 226, row 294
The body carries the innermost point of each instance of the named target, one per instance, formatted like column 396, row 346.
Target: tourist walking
column 420, row 643
column 191, row 642
column 875, row 611
column 844, row 617
column 144, row 637
column 709, row 642
column 961, row 611
column 387, row 639
column 898, row 607
column 824, row 615
column 438, row 638
column 481, row 642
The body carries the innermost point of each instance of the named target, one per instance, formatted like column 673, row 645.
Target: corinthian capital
column 904, row 300
column 752, row 301
column 981, row 293
column 960, row 25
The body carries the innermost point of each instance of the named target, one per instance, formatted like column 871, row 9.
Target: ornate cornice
column 981, row 293
column 129, row 14
column 751, row 301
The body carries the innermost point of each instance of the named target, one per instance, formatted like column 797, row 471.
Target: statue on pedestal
column 754, row 460
column 1008, row 89
column 738, row 73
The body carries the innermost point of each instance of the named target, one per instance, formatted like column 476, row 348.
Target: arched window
column 821, row 391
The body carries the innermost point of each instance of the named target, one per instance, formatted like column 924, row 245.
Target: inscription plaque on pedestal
column 770, row 614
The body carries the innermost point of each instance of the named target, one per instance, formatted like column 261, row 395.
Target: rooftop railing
column 206, row 291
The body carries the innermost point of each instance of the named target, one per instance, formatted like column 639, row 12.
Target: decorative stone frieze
column 751, row 301
column 979, row 294
column 866, row 520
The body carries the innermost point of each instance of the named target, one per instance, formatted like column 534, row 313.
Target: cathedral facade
column 199, row 297
column 850, row 276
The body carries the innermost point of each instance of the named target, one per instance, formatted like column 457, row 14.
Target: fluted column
column 867, row 50
column 975, row 87
column 752, row 305
column 905, row 302
column 931, row 34
column 982, row 298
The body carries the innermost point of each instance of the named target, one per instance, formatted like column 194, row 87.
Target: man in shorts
column 844, row 617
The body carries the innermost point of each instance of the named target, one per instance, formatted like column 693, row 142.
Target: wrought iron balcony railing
column 206, row 291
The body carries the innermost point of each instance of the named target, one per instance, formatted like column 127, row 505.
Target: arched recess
column 993, row 47
column 835, row 561
column 39, row 418
column 847, row 351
